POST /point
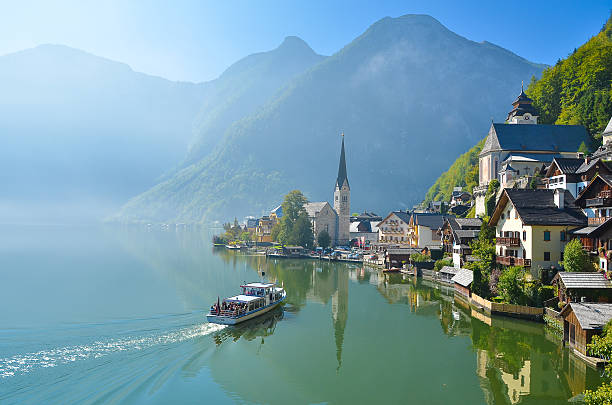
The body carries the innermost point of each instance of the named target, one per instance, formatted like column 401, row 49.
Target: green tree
column 323, row 239
column 302, row 234
column 574, row 257
column 443, row 262
column 601, row 346
column 483, row 248
column 294, row 227
column 511, row 285
column 577, row 89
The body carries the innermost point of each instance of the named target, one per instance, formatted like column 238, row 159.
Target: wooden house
column 574, row 174
column 457, row 233
column 463, row 282
column 447, row 273
column 582, row 286
column 582, row 321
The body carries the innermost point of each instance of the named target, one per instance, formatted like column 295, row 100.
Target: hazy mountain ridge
column 409, row 95
column 84, row 133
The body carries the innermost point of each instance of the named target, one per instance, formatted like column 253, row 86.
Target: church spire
column 342, row 177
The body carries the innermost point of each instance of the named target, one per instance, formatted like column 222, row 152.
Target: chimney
column 559, row 198
column 587, row 159
column 579, row 155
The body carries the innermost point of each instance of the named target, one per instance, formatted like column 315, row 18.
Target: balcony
column 597, row 220
column 513, row 261
column 507, row 241
column 603, row 199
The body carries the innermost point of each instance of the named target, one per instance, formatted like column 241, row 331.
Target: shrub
column 443, row 262
column 511, row 285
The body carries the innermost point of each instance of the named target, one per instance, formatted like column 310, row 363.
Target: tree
column 443, row 262
column 294, row 227
column 574, row 257
column 601, row 346
column 323, row 239
column 483, row 248
column 511, row 285
column 302, row 234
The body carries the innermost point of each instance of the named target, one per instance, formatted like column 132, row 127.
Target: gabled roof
column 466, row 223
column 590, row 315
column 464, row 277
column 599, row 178
column 535, row 138
column 537, row 207
column 402, row 215
column 583, row 280
column 565, row 165
column 313, row 208
column 585, row 167
column 429, row 220
column 449, row 270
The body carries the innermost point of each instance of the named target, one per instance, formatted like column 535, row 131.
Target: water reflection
column 513, row 361
column 516, row 361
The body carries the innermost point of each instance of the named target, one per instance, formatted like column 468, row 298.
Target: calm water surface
column 106, row 315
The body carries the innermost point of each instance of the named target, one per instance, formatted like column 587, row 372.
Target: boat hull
column 230, row 320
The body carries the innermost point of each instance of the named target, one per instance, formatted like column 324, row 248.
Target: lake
column 113, row 315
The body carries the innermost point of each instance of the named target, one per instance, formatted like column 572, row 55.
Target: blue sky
column 197, row 40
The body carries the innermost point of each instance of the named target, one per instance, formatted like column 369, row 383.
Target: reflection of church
column 332, row 282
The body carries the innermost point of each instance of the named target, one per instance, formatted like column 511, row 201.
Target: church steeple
column 342, row 201
column 342, row 177
column 523, row 112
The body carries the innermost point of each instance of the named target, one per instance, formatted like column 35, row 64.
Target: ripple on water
column 24, row 363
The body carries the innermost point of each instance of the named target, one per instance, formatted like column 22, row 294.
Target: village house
column 460, row 197
column 582, row 321
column 463, row 282
column 263, row 231
column 423, row 230
column 533, row 226
column 457, row 233
column 397, row 257
column 596, row 202
column 447, row 273
column 521, row 147
column 574, row 174
column 364, row 231
column 394, row 228
column 582, row 286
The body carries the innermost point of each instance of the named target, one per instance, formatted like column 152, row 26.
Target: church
column 520, row 147
column 334, row 220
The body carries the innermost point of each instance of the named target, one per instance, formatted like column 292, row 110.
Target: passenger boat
column 256, row 299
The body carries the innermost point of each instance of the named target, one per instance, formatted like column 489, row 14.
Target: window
column 546, row 256
column 524, row 235
column 562, row 236
column 515, row 214
column 561, row 256
column 344, row 198
column 503, row 215
column 547, row 235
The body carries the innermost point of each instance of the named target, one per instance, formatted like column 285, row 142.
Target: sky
column 197, row 40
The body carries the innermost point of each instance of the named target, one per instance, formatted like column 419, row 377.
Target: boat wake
column 24, row 363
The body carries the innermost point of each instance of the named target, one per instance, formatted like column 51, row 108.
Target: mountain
column 409, row 95
column 244, row 87
column 576, row 91
column 81, row 134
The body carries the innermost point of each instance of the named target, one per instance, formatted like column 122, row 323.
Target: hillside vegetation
column 578, row 89
column 462, row 173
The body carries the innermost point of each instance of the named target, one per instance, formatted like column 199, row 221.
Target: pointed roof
column 342, row 177
column 608, row 130
column 522, row 105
